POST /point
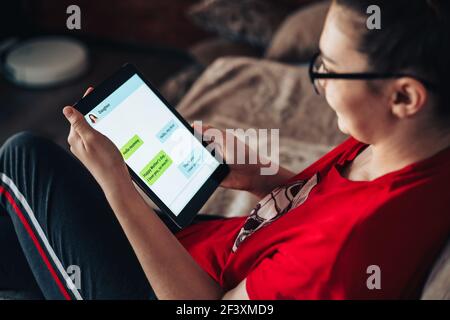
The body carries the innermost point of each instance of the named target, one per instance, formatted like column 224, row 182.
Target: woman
column 93, row 118
column 367, row 220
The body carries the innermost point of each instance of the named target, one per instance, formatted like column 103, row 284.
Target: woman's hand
column 97, row 153
column 246, row 176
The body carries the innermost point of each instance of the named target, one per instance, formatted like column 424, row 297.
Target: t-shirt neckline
column 442, row 156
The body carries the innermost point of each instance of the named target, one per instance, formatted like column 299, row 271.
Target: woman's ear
column 408, row 97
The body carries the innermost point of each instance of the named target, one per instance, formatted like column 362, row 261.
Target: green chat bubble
column 156, row 167
column 131, row 146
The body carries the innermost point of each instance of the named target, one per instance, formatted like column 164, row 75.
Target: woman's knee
column 27, row 141
column 27, row 151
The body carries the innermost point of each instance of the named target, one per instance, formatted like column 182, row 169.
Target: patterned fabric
column 274, row 205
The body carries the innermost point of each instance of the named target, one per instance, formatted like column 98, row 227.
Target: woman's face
column 361, row 112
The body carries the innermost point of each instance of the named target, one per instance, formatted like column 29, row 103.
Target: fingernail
column 67, row 111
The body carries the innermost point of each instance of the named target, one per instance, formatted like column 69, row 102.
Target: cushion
column 249, row 21
column 206, row 51
column 297, row 39
column 253, row 93
column 437, row 286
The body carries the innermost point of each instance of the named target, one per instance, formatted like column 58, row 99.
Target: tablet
column 164, row 157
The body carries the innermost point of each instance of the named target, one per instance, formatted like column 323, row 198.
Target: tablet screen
column 154, row 143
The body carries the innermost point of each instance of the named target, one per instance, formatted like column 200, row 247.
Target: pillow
column 249, row 21
column 206, row 51
column 297, row 39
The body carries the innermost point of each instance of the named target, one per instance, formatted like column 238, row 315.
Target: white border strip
column 19, row 196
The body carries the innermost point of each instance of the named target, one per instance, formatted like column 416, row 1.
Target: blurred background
column 151, row 34
column 230, row 63
column 162, row 38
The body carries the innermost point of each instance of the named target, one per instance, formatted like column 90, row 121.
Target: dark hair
column 414, row 37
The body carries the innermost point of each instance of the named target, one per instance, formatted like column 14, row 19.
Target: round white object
column 46, row 61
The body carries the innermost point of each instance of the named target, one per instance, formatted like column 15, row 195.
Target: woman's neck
column 402, row 149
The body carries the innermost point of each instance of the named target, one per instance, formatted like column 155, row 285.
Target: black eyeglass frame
column 313, row 76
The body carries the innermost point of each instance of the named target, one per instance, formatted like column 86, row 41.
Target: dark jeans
column 58, row 234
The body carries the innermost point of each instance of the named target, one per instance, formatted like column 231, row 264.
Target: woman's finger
column 89, row 90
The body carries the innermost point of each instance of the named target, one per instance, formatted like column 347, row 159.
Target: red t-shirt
column 322, row 236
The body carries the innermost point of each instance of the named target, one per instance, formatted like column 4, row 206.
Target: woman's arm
column 170, row 269
column 250, row 176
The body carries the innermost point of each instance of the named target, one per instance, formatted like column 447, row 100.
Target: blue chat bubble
column 167, row 131
column 191, row 163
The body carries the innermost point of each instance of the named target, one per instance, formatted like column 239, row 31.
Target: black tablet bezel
column 107, row 87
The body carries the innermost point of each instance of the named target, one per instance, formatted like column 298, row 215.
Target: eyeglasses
column 316, row 73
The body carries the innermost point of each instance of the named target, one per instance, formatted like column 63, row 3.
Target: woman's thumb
column 76, row 119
